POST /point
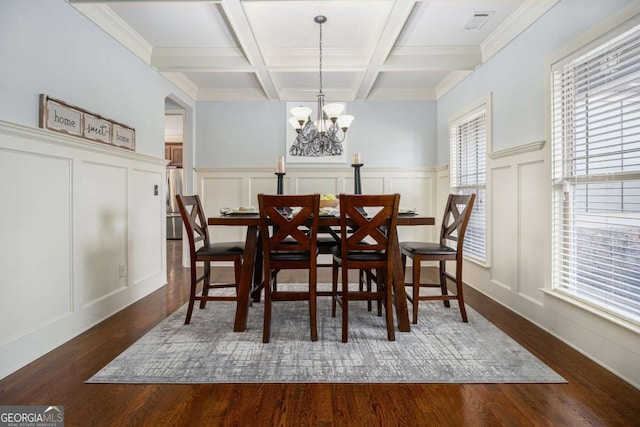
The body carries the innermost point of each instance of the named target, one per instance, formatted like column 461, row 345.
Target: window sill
column 482, row 264
column 594, row 310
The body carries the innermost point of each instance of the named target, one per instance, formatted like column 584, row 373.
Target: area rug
column 439, row 349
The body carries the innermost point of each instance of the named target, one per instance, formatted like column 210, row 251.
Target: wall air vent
column 477, row 20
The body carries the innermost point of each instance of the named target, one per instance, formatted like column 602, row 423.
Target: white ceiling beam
column 433, row 58
column 200, row 59
column 234, row 94
column 240, row 26
column 398, row 16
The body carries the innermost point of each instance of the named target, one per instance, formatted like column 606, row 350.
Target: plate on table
column 242, row 211
column 407, row 211
column 329, row 212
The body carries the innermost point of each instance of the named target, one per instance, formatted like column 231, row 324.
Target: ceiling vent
column 477, row 20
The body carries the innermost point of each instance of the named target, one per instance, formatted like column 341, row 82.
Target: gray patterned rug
column 439, row 349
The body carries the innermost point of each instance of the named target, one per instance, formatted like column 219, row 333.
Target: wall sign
column 60, row 117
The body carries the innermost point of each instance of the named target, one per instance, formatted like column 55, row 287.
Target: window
column 596, row 171
column 468, row 174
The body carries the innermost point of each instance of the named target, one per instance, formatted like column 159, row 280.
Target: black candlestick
column 280, row 176
column 357, row 183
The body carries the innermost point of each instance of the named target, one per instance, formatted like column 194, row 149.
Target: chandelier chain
column 319, row 138
column 320, row 58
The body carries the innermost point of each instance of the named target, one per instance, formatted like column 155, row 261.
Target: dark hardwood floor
column 592, row 397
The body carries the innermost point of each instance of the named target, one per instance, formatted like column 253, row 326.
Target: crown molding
column 450, row 81
column 109, row 22
column 182, row 82
column 529, row 12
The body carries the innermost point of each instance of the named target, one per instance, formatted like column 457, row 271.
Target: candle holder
column 280, row 186
column 357, row 183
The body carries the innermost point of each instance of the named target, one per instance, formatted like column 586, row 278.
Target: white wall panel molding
column 31, row 207
column 515, row 151
column 240, row 187
column 103, row 227
column 55, row 141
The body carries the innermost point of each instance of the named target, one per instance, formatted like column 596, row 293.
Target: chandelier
column 320, row 137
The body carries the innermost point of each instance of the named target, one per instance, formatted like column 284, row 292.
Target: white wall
column 76, row 212
column 518, row 273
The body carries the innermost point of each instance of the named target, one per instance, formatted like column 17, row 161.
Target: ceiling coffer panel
column 374, row 49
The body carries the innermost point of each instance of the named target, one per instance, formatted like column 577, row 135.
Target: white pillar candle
column 280, row 165
column 357, row 159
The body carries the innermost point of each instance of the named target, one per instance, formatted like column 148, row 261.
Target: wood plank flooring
column 593, row 396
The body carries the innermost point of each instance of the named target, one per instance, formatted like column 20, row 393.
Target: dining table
column 251, row 272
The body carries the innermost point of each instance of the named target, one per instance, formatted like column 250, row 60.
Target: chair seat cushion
column 426, row 248
column 221, row 249
column 325, row 241
column 363, row 255
column 289, row 255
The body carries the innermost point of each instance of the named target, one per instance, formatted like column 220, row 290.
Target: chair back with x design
column 456, row 218
column 289, row 231
column 368, row 228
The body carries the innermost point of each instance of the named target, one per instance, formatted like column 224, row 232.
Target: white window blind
column 596, row 166
column 468, row 174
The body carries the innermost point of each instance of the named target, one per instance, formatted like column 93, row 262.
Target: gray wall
column 252, row 134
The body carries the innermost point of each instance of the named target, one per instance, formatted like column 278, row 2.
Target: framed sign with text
column 60, row 117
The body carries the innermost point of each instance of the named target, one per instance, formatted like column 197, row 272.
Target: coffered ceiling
column 268, row 49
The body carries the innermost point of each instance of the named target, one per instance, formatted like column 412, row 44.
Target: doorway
column 174, row 125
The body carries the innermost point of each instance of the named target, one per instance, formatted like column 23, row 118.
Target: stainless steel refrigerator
column 174, row 187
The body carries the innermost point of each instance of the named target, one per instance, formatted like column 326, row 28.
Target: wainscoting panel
column 416, row 192
column 317, row 183
column 534, row 207
column 36, row 233
column 265, row 185
column 78, row 216
column 146, row 217
column 104, row 244
column 370, row 185
column 224, row 191
column 503, row 227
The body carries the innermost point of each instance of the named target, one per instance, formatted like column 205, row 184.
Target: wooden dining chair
column 368, row 230
column 454, row 225
column 202, row 250
column 289, row 232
